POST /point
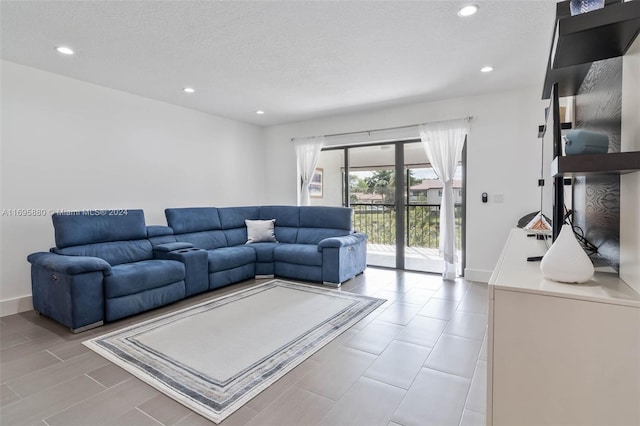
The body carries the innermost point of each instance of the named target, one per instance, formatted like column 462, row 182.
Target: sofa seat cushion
column 230, row 257
column 299, row 254
column 264, row 251
column 132, row 278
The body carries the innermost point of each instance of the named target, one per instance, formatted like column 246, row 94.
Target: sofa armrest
column 158, row 231
column 69, row 289
column 343, row 257
column 347, row 240
column 167, row 247
column 70, row 265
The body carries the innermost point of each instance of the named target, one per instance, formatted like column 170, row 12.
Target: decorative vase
column 583, row 6
column 566, row 261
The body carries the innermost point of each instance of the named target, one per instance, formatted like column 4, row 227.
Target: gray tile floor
column 419, row 359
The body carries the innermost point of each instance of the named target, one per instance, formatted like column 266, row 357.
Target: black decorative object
column 558, row 182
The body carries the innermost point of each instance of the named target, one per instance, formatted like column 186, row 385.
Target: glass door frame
column 400, row 205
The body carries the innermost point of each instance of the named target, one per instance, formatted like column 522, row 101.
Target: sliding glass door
column 395, row 196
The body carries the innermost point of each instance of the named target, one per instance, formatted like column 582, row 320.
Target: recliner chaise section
column 102, row 269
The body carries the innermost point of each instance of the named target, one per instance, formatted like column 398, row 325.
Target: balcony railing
column 422, row 226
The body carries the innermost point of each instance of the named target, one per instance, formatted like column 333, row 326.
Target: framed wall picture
column 315, row 187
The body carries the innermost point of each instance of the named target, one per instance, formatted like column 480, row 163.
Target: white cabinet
column 560, row 354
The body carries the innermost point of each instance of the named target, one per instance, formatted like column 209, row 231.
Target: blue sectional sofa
column 105, row 267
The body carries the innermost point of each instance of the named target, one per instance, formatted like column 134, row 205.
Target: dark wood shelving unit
column 570, row 79
column 615, row 163
column 600, row 34
column 582, row 39
column 578, row 41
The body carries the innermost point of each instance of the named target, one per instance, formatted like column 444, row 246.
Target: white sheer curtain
column 443, row 142
column 308, row 154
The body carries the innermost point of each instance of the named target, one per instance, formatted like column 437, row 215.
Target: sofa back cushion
column 326, row 217
column 234, row 217
column 287, row 221
column 193, row 219
column 233, row 224
column 117, row 238
column 318, row 223
column 115, row 252
column 98, row 226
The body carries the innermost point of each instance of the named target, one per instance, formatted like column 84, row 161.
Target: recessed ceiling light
column 188, row 90
column 486, row 69
column 468, row 10
column 65, row 50
column 259, row 112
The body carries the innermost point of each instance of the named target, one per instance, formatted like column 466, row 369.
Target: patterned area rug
column 217, row 355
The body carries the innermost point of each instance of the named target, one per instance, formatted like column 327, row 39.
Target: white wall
column 630, row 183
column 503, row 158
column 67, row 144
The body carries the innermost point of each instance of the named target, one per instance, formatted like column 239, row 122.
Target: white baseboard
column 478, row 275
column 15, row 305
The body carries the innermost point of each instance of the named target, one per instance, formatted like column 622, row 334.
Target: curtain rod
column 468, row 118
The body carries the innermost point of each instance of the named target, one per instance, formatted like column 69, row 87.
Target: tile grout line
column 467, row 338
column 451, row 374
column 35, row 372
column 466, row 399
column 66, row 408
column 388, row 384
column 54, row 355
column 423, row 364
column 18, row 343
column 292, row 385
column 191, row 412
column 105, row 387
column 78, row 402
column 20, row 397
column 153, row 418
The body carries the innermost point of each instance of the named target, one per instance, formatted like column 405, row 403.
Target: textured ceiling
column 295, row 60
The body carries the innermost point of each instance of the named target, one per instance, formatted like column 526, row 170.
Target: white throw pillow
column 260, row 231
